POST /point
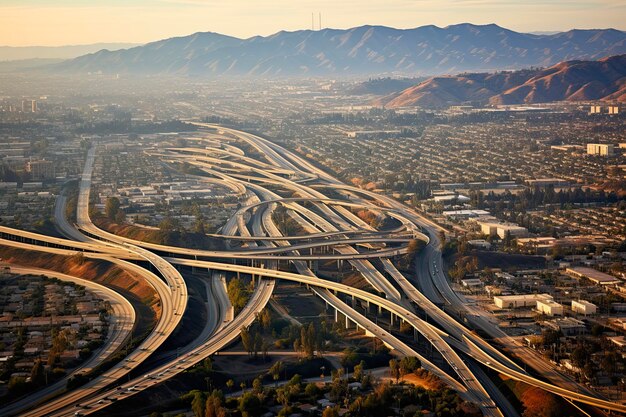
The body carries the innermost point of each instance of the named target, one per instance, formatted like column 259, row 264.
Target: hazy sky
column 62, row 22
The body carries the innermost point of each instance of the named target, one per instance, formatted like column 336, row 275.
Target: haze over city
column 312, row 208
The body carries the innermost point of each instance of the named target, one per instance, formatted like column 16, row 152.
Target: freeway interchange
column 324, row 210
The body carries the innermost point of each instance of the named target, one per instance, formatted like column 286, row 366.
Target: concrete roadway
column 438, row 280
column 334, row 182
column 373, row 330
column 229, row 332
column 434, row 335
column 173, row 298
column 121, row 323
column 264, row 218
column 134, row 358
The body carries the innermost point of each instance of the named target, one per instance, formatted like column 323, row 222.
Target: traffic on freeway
column 324, row 210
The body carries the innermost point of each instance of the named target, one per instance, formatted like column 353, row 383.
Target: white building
column 549, row 307
column 472, row 283
column 600, row 149
column 584, row 307
column 491, row 228
column 519, row 300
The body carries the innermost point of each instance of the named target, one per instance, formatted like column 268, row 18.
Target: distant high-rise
column 600, row 149
column 29, row 106
column 595, row 110
column 40, row 169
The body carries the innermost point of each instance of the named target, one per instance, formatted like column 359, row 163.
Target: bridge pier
column 339, row 264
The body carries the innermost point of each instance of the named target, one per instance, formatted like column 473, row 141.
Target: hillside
column 604, row 79
column 365, row 50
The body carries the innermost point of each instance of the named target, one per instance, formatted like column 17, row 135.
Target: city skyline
column 71, row 22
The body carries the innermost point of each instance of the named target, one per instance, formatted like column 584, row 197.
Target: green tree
column 257, row 386
column 258, row 344
column 409, row 364
column 394, row 367
column 37, row 374
column 213, row 407
column 198, row 403
column 311, row 390
column 246, row 340
column 358, row 371
column 237, row 293
column 111, row 207
column 579, row 356
column 230, row 384
column 120, row 217
column 331, row 412
column 265, row 319
column 200, row 226
column 414, row 247
column 248, row 404
column 275, row 371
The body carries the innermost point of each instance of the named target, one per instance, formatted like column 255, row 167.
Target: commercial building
column 40, row 169
column 465, row 214
column 569, row 326
column 520, row 300
column 602, row 149
column 540, row 245
column 479, row 243
column 549, row 307
column 592, row 275
column 595, row 110
column 502, row 229
column 376, row 134
column 584, row 307
column 472, row 283
column 29, row 106
column 547, row 182
column 450, row 198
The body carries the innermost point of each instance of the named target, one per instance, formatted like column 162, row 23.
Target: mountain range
column 360, row 51
column 604, row 79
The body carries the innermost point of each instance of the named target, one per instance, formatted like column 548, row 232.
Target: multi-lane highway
column 329, row 229
column 121, row 324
